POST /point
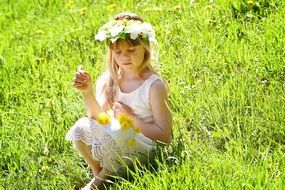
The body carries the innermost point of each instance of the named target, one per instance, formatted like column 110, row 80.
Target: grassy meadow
column 224, row 63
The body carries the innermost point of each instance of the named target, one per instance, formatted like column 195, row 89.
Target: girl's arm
column 160, row 129
column 100, row 95
column 82, row 82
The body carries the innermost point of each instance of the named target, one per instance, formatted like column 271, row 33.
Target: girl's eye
column 117, row 52
column 131, row 49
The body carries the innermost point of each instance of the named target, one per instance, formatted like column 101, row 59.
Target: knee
column 82, row 124
column 83, row 149
column 81, row 145
column 81, row 128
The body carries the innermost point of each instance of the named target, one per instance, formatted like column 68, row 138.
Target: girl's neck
column 137, row 75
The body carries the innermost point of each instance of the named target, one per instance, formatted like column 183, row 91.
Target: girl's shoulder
column 155, row 78
column 151, row 76
column 158, row 93
column 155, row 84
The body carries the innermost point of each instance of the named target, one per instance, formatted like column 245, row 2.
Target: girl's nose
column 125, row 54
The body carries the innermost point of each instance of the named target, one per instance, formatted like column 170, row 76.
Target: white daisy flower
column 101, row 36
column 115, row 30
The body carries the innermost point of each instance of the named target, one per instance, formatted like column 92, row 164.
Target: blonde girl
column 129, row 113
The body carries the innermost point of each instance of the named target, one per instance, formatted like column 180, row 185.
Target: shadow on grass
column 158, row 162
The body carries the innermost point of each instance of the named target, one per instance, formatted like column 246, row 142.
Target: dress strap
column 148, row 84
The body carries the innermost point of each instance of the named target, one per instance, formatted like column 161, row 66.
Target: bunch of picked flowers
column 126, row 124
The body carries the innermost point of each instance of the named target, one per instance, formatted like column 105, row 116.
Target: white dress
column 109, row 144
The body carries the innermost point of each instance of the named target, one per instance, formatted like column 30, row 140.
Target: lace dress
column 110, row 145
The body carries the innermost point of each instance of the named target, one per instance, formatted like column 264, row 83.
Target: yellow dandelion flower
column 111, row 7
column 125, row 22
column 40, row 59
column 45, row 168
column 168, row 32
column 130, row 122
column 83, row 10
column 113, row 23
column 157, row 9
column 70, row 4
column 176, row 8
column 125, row 121
column 40, row 32
column 103, row 119
column 137, row 130
column 122, row 117
column 132, row 142
column 147, row 9
column 250, row 2
column 153, row 9
column 208, row 7
column 124, row 125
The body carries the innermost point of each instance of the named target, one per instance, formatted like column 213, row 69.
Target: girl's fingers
column 76, row 84
column 83, row 74
column 117, row 109
column 79, row 80
column 82, row 81
column 117, row 105
column 81, row 77
column 122, row 108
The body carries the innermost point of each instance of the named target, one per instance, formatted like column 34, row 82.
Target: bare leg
column 85, row 151
column 96, row 181
column 100, row 177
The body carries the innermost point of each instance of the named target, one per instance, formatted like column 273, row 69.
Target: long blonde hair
column 113, row 71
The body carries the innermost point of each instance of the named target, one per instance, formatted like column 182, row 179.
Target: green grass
column 223, row 60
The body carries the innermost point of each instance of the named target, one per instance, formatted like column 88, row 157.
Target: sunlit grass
column 223, row 60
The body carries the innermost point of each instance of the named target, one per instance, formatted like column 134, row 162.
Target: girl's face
column 128, row 57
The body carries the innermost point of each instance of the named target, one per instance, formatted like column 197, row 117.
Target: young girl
column 133, row 95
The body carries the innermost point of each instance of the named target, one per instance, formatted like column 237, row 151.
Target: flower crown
column 121, row 29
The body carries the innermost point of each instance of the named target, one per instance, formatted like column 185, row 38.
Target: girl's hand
column 82, row 82
column 120, row 108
